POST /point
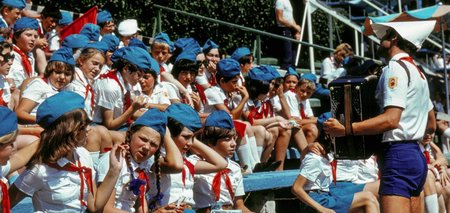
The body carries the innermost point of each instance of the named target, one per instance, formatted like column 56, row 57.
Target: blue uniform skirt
column 339, row 198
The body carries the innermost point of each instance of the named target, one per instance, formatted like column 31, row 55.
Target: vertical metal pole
column 310, row 40
column 356, row 42
column 445, row 66
column 399, row 6
column 258, row 49
column 330, row 32
column 159, row 20
column 363, row 49
column 302, row 32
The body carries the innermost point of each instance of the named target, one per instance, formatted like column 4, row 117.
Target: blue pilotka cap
column 291, row 71
column 9, row 121
column 25, row 23
column 137, row 43
column 99, row 45
column 66, row 18
column 164, row 38
column 154, row 119
column 92, row 31
column 104, row 16
column 19, row 4
column 75, row 41
column 188, row 55
column 188, row 44
column 112, row 41
column 136, row 56
column 310, row 76
column 56, row 106
column 264, row 73
column 228, row 68
column 219, row 118
column 240, row 52
column 209, row 44
column 322, row 118
column 64, row 55
column 186, row 115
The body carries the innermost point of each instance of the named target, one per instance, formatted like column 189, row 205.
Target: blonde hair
column 8, row 138
column 156, row 45
column 345, row 47
column 309, row 84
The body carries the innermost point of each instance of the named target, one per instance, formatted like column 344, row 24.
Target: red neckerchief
column 126, row 94
column 83, row 172
column 25, row 61
column 191, row 169
column 212, row 81
column 265, row 112
column 217, row 182
column 144, row 188
column 161, row 69
column 201, row 93
column 411, row 60
column 5, row 198
column 333, row 170
column 302, row 111
column 426, row 153
column 89, row 89
column 2, row 101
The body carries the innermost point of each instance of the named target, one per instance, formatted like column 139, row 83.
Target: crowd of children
column 96, row 121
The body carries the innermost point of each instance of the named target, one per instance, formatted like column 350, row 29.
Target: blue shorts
column 403, row 169
column 339, row 198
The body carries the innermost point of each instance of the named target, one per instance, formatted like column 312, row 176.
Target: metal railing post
column 159, row 20
column 258, row 49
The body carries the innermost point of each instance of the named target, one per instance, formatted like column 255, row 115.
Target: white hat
column 128, row 27
column 413, row 31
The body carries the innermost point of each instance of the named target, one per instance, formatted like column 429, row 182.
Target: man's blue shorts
column 403, row 169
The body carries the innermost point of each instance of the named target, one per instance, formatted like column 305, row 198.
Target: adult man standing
column 402, row 93
column 286, row 27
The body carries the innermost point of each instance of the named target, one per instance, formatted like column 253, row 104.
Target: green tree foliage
column 258, row 14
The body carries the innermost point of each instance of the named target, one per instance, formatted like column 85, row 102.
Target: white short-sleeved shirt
column 317, row 170
column 109, row 95
column 4, row 169
column 125, row 199
column 54, row 190
column 367, row 171
column 215, row 95
column 172, row 90
column 38, row 90
column 6, row 88
column 17, row 72
column 53, row 41
column 160, row 95
column 205, row 197
column 393, row 90
column 286, row 7
column 307, row 108
column 292, row 101
column 172, row 186
column 79, row 85
column 204, row 79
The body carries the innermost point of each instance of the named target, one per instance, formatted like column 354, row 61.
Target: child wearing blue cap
column 185, row 71
column 211, row 53
column 144, row 139
column 106, row 23
column 223, row 189
column 245, row 59
column 313, row 186
column 177, row 188
column 60, row 174
column 25, row 31
column 114, row 104
column 10, row 11
column 154, row 93
column 58, row 74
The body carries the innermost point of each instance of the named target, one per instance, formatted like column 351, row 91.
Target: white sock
column 95, row 156
column 254, row 149
column 245, row 156
column 431, row 204
column 260, row 151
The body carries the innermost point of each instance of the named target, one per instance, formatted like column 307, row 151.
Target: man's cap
column 128, row 27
